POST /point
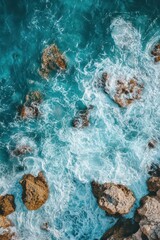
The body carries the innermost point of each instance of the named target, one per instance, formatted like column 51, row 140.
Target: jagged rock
column 115, row 199
column 30, row 108
column 154, row 170
column 7, row 235
column 4, row 222
column 35, row 191
column 153, row 184
column 45, row 226
column 82, row 120
column 149, row 214
column 22, row 150
column 156, row 52
column 121, row 230
column 152, row 143
column 125, row 92
column 136, row 236
column 51, row 60
column 7, row 205
column 33, row 98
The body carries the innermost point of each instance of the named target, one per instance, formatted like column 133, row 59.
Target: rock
column 156, row 52
column 82, row 120
column 22, row 150
column 4, row 222
column 125, row 92
column 115, row 199
column 7, row 235
column 152, row 143
column 149, row 213
column 154, row 170
column 51, row 60
column 45, row 226
column 30, row 108
column 7, row 205
column 29, row 112
column 121, row 230
column 35, row 191
column 153, row 184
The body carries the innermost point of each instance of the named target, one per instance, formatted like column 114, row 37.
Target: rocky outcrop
column 125, row 92
column 121, row 230
column 52, row 59
column 4, row 222
column 150, row 217
column 115, row 199
column 156, row 52
column 7, row 205
column 22, row 150
column 7, row 235
column 82, row 118
column 35, row 191
column 152, row 143
column 153, row 184
column 30, row 109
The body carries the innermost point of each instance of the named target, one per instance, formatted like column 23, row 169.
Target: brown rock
column 121, row 230
column 153, row 184
column 33, row 97
column 7, row 205
column 35, row 191
column 150, row 217
column 156, row 52
column 82, row 120
column 29, row 112
column 7, row 235
column 115, row 199
column 22, row 150
column 51, row 60
column 4, row 222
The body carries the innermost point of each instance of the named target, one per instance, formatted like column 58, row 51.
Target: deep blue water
column 95, row 36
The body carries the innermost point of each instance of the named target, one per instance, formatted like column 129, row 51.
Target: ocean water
column 95, row 36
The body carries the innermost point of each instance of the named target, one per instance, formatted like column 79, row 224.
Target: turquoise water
column 96, row 36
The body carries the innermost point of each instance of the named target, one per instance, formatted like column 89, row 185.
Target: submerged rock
column 152, row 143
column 35, row 191
column 52, row 59
column 82, row 119
column 121, row 230
column 45, row 226
column 115, row 199
column 125, row 92
column 30, row 107
column 7, row 205
column 156, row 52
column 154, row 170
column 22, row 150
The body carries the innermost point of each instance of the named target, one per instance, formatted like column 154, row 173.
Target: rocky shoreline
column 146, row 222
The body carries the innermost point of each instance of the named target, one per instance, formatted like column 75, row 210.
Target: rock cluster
column 146, row 225
column 125, row 92
column 22, row 150
column 82, row 119
column 35, row 191
column 156, row 52
column 30, row 108
column 52, row 59
column 7, row 206
column 115, row 199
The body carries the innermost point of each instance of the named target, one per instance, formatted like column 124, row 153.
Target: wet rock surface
column 125, row 92
column 30, row 109
column 22, row 150
column 52, row 59
column 7, row 235
column 156, row 52
column 35, row 191
column 4, row 222
column 82, row 118
column 121, row 230
column 7, row 205
column 115, row 199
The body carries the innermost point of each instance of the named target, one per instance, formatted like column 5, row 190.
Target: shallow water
column 96, row 36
